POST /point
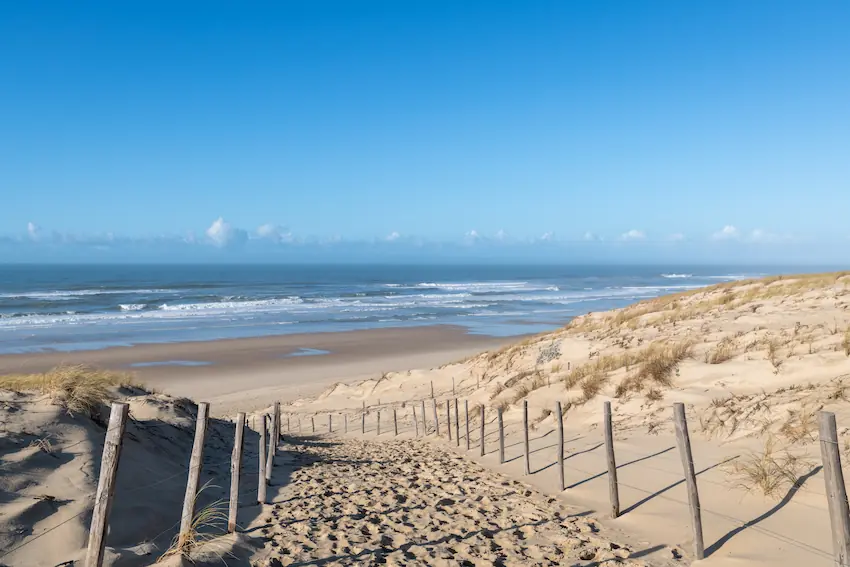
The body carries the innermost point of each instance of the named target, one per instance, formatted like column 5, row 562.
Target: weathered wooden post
column 613, row 489
column 363, row 423
column 235, row 472
column 345, row 420
column 525, row 434
column 449, row 418
column 195, row 463
column 453, row 386
column 106, row 483
column 501, row 438
column 313, row 423
column 482, row 430
column 379, row 422
column 432, row 389
column 276, row 426
column 261, row 484
column 330, row 423
column 560, row 417
column 415, row 420
column 436, row 420
column 684, row 442
column 457, row 425
column 424, row 421
column 395, row 423
column 466, row 412
column 836, row 493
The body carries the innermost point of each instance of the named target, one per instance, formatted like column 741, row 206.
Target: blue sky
column 653, row 130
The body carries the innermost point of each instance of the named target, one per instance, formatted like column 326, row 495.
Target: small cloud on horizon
column 728, row 232
column 221, row 233
column 394, row 235
column 633, row 234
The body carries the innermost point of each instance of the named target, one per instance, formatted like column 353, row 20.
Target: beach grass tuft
column 78, row 388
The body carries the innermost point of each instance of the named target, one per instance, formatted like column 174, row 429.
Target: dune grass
column 770, row 471
column 79, row 388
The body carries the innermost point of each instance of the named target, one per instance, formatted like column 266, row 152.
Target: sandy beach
column 240, row 374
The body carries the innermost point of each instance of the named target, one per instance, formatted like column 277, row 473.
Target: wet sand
column 242, row 374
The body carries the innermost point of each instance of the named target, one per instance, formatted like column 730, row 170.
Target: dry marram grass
column 769, row 471
column 79, row 389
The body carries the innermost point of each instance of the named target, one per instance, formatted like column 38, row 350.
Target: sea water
column 86, row 307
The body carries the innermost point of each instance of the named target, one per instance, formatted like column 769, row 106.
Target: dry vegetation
column 79, row 389
column 770, row 471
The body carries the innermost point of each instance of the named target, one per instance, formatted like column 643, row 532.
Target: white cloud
column 33, row 231
column 759, row 235
column 473, row 235
column 633, row 234
column 590, row 236
column 393, row 236
column 547, row 236
column 728, row 232
column 274, row 232
column 500, row 234
column 222, row 233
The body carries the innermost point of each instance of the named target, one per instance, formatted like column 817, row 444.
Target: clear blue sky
column 707, row 126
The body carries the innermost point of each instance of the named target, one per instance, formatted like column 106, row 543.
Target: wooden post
column 449, row 418
column 501, row 439
column 395, row 422
column 613, row 489
column 432, row 389
column 313, row 422
column 482, row 430
column 195, row 463
column 436, row 420
column 457, row 425
column 466, row 411
column 684, row 442
column 261, row 484
column 345, row 419
column 276, row 426
column 836, row 493
column 288, row 428
column 560, row 417
column 235, row 472
column 424, row 421
column 415, row 421
column 272, row 450
column 453, row 386
column 330, row 423
column 106, row 484
column 379, row 422
column 525, row 433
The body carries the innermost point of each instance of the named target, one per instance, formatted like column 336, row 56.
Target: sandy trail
column 410, row 502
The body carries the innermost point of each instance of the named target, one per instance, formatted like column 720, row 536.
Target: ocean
column 66, row 308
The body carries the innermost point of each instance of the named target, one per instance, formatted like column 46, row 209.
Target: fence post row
column 839, row 512
column 261, row 483
column 613, row 488
column 106, row 484
column 195, row 463
column 684, row 442
column 235, row 471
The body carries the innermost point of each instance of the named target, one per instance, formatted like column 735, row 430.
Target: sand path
column 410, row 502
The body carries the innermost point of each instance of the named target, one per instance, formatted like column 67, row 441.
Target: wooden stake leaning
column 560, row 417
column 424, row 421
column 466, row 411
column 613, row 488
column 261, row 484
column 836, row 493
column 457, row 425
column 235, row 471
column 501, row 438
column 195, row 463
column 482, row 430
column 525, row 434
column 436, row 419
column 106, row 484
column 684, row 442
column 449, row 418
column 415, row 421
